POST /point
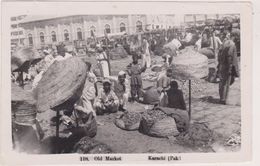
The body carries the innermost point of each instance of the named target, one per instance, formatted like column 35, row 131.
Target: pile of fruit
column 154, row 115
column 131, row 118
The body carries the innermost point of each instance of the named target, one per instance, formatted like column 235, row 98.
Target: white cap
column 121, row 73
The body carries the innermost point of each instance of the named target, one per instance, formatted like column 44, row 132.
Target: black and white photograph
column 126, row 83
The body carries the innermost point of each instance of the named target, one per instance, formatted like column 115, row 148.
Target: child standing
column 135, row 70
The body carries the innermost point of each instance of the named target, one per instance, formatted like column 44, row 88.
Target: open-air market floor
column 223, row 120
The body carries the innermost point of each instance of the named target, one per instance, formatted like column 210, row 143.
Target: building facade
column 17, row 32
column 40, row 31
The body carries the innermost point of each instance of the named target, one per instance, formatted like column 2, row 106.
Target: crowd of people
column 117, row 92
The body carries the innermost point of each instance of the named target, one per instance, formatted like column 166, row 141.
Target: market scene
column 98, row 84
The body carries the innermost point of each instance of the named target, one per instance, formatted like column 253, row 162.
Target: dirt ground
column 223, row 120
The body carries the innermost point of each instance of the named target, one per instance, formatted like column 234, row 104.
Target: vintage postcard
column 126, row 82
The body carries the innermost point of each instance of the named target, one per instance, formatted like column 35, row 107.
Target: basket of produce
column 87, row 145
column 181, row 117
column 156, row 123
column 151, row 96
column 61, row 85
column 23, row 106
column 23, row 57
column 198, row 134
column 189, row 65
column 128, row 121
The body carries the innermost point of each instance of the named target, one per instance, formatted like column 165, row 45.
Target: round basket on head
column 61, row 85
column 23, row 57
column 23, row 106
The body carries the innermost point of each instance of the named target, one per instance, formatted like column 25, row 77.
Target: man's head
column 121, row 76
column 169, row 73
column 107, row 85
column 135, row 59
column 174, row 85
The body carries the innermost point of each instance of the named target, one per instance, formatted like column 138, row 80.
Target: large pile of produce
column 128, row 121
column 189, row 64
column 87, row 145
column 156, row 123
column 198, row 135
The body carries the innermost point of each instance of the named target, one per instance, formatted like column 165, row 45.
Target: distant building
column 43, row 30
column 17, row 32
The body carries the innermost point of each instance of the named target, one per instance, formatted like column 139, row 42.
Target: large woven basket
column 23, row 57
column 61, row 85
column 23, row 106
column 190, row 65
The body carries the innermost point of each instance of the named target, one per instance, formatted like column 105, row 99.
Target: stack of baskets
column 23, row 106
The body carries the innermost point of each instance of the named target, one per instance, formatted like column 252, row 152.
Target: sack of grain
column 189, row 64
column 181, row 117
column 87, row 145
column 128, row 121
column 61, row 85
column 151, row 95
column 156, row 123
column 208, row 52
column 23, row 106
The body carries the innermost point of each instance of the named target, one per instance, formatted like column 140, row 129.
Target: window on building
column 139, row 26
column 107, row 28
column 22, row 41
column 79, row 34
column 42, row 37
column 53, row 36
column 20, row 32
column 13, row 18
column 14, row 26
column 30, row 38
column 66, row 35
column 152, row 26
column 157, row 26
column 122, row 27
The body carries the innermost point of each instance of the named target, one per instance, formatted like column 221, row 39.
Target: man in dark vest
column 227, row 67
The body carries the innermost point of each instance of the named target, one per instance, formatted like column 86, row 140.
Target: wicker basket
column 61, row 85
column 23, row 57
column 23, row 106
column 190, row 65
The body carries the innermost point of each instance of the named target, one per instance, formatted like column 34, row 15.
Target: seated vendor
column 121, row 88
column 175, row 97
column 106, row 101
